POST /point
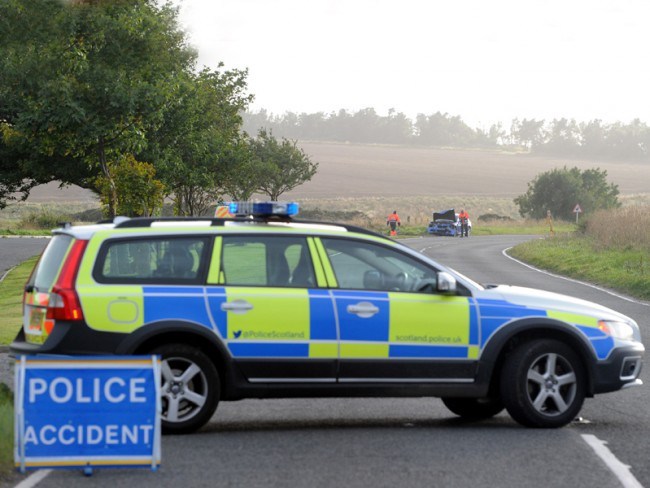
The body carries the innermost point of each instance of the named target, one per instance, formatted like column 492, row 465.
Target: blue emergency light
column 263, row 209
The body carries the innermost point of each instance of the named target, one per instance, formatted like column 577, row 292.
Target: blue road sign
column 73, row 412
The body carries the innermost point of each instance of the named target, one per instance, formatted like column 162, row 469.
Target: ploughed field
column 375, row 179
column 373, row 170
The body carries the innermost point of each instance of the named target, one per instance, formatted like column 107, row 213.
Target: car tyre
column 474, row 408
column 543, row 384
column 189, row 386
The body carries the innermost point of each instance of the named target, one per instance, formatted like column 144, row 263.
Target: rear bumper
column 69, row 338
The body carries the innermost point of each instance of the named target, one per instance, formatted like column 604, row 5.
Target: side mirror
column 446, row 283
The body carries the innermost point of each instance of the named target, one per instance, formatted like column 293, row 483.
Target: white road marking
column 590, row 285
column 34, row 479
column 620, row 470
column 6, row 273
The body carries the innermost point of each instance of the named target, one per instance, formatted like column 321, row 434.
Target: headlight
column 619, row 330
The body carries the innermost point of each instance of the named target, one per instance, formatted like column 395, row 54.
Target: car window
column 365, row 266
column 267, row 261
column 151, row 260
column 48, row 266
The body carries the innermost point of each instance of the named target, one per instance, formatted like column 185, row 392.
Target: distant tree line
column 558, row 137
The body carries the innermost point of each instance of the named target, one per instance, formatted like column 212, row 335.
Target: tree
column 563, row 138
column 284, row 164
column 140, row 193
column 86, row 85
column 242, row 173
column 198, row 139
column 528, row 133
column 559, row 190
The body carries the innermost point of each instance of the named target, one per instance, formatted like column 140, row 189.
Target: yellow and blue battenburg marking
column 496, row 313
column 299, row 323
column 175, row 303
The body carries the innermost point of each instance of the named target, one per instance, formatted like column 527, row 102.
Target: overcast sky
column 484, row 60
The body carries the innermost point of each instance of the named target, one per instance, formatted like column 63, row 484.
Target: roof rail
column 216, row 222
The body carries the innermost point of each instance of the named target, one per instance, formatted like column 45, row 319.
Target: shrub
column 44, row 219
column 493, row 216
column 622, row 228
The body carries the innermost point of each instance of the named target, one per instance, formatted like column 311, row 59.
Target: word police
column 64, row 390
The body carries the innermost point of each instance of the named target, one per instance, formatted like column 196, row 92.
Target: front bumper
column 442, row 231
column 620, row 370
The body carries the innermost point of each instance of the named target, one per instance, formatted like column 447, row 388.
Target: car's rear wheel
column 543, row 384
column 189, row 388
column 474, row 408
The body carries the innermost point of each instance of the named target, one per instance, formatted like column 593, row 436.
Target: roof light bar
column 264, row 209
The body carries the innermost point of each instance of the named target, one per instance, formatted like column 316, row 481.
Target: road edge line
column 620, row 470
column 34, row 479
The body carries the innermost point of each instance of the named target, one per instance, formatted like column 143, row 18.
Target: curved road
column 14, row 250
column 410, row 442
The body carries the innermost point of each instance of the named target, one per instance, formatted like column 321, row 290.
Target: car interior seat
column 303, row 274
column 278, row 270
column 177, row 262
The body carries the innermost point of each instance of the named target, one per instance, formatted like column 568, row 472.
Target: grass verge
column 23, row 232
column 491, row 228
column 11, row 300
column 6, row 431
column 625, row 269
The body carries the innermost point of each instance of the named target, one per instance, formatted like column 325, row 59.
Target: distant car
column 446, row 223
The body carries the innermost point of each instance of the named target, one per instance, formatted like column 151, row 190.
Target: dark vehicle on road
column 447, row 223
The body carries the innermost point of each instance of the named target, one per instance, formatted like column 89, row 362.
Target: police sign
column 89, row 412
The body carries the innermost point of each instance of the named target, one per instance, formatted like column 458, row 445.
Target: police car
column 261, row 305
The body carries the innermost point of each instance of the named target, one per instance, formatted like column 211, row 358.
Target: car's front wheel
column 474, row 408
column 543, row 384
column 189, row 388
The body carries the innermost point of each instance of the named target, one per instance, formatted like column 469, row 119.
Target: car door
column 263, row 295
column 393, row 327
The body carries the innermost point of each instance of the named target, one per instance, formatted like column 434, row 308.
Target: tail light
column 64, row 302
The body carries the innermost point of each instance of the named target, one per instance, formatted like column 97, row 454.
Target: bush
column 559, row 191
column 44, row 219
column 623, row 228
column 492, row 217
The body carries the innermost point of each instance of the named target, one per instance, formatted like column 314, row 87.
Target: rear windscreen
column 48, row 266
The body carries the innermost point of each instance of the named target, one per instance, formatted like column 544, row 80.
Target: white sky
column 485, row 60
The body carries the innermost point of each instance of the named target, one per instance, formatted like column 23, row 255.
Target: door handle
column 363, row 309
column 237, row 306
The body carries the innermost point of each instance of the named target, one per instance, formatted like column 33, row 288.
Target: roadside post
column 549, row 221
column 88, row 412
column 577, row 210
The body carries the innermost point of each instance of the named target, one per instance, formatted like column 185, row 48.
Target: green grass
column 24, row 232
column 626, row 269
column 491, row 228
column 6, row 430
column 11, row 300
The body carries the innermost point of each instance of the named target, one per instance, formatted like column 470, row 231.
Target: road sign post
column 87, row 412
column 577, row 210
